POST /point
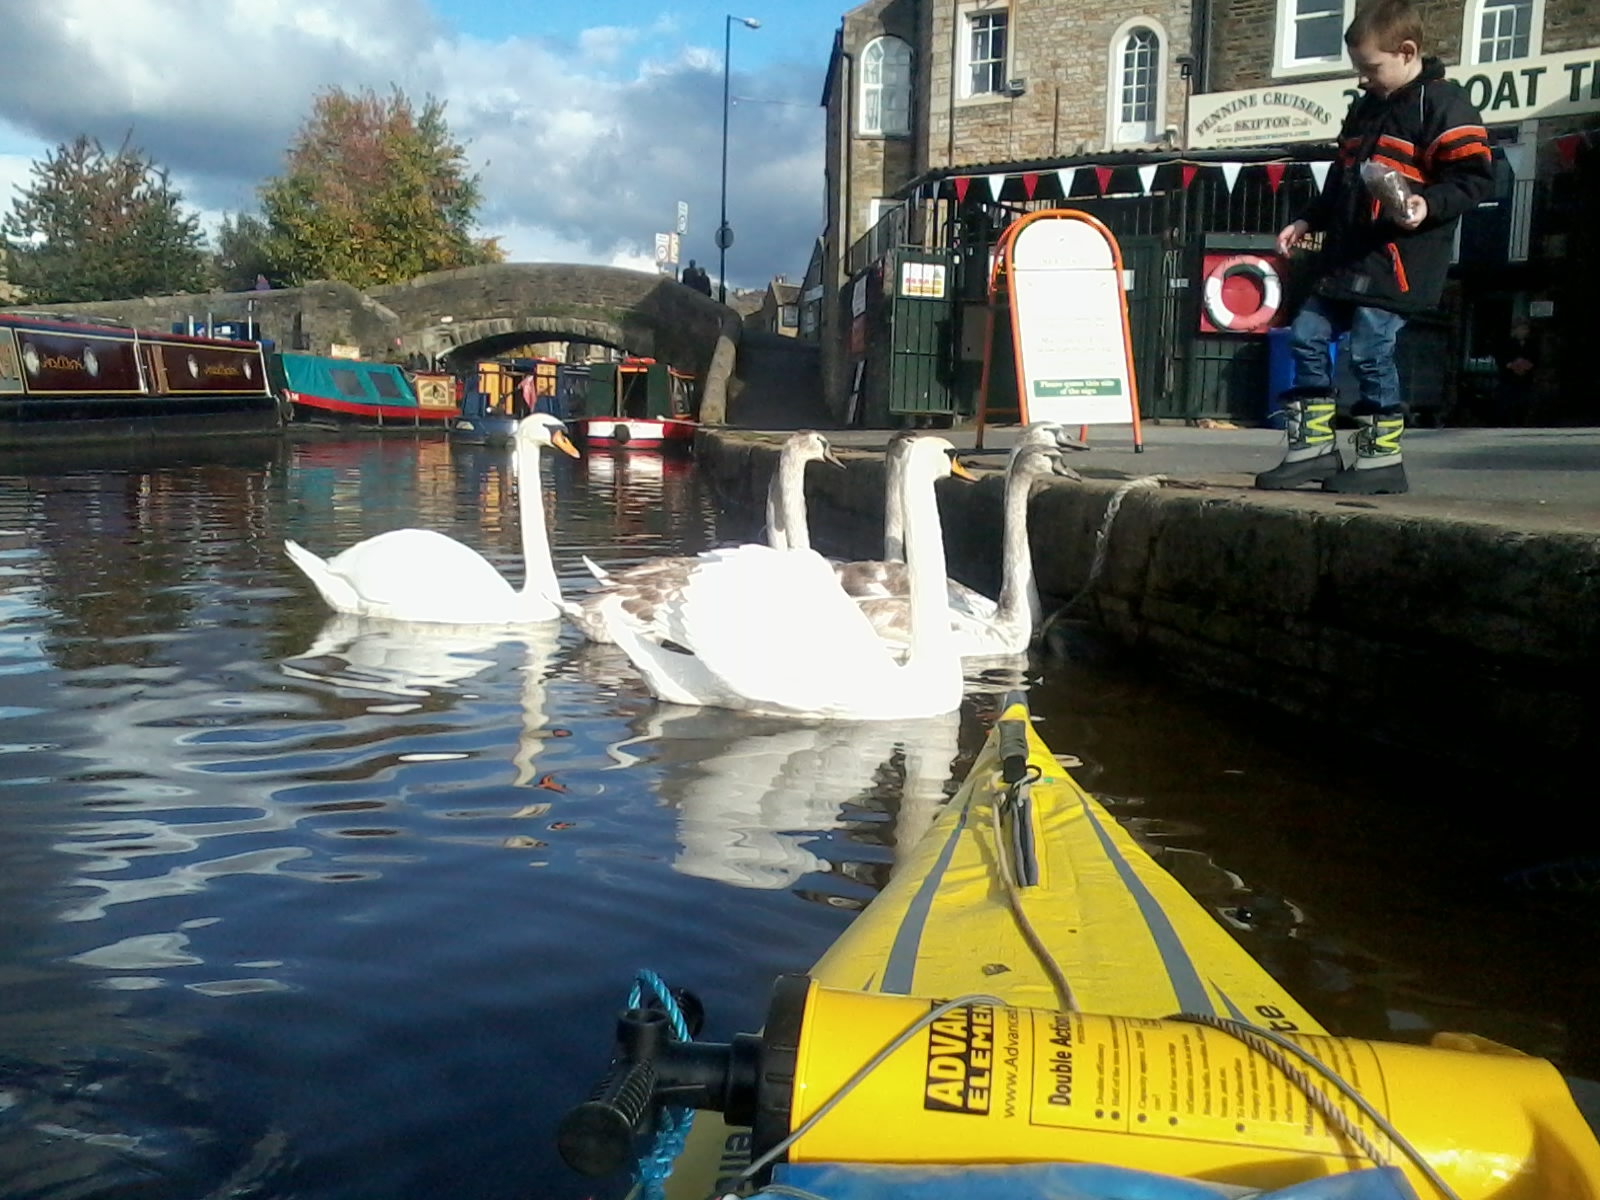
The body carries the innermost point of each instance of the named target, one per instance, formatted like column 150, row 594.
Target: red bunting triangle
column 1189, row 170
column 962, row 184
column 1275, row 175
column 1103, row 174
column 1029, row 182
column 1567, row 148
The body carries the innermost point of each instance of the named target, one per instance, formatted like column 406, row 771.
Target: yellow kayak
column 1033, row 909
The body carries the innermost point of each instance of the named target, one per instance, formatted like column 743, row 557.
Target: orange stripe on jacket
column 1470, row 150
column 1476, row 133
column 1398, row 145
column 1405, row 169
column 1399, row 268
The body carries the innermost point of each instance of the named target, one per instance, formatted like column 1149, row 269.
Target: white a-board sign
column 1069, row 321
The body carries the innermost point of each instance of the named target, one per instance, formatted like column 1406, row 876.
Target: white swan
column 786, row 490
column 771, row 631
column 1008, row 631
column 420, row 575
column 644, row 587
column 868, row 578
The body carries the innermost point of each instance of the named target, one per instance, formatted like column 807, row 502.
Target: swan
column 420, row 575
column 644, row 586
column 1009, row 630
column 786, row 490
column 771, row 631
column 867, row 579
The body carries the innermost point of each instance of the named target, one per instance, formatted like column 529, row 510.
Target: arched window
column 1138, row 86
column 886, row 87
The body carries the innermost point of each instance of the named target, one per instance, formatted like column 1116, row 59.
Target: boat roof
column 107, row 327
column 351, row 379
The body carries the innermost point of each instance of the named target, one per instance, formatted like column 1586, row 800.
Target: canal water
column 292, row 906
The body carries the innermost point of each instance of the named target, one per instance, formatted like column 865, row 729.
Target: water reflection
column 754, row 795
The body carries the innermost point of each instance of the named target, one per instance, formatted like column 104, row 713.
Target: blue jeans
column 1372, row 333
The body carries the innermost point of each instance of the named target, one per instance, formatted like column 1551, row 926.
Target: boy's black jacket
column 1430, row 133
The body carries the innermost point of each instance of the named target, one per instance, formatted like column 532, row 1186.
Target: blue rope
column 656, row 1164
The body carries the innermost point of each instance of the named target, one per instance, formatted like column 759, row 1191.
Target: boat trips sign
column 1519, row 89
column 1068, row 319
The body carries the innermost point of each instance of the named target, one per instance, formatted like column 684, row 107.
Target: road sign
column 663, row 249
column 725, row 237
column 683, row 217
column 672, row 256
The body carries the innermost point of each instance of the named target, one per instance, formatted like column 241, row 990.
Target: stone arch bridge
column 475, row 312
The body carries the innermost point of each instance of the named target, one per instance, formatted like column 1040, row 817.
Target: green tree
column 374, row 192
column 244, row 254
column 98, row 226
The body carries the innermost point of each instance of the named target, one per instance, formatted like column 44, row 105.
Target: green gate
column 920, row 292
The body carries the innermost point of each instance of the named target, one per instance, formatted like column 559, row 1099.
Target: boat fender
column 620, row 433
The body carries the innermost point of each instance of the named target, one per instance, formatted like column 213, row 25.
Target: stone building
column 948, row 119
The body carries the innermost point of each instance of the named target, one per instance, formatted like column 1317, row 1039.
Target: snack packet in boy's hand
column 1388, row 187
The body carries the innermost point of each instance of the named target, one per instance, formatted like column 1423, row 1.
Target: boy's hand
column 1416, row 212
column 1290, row 235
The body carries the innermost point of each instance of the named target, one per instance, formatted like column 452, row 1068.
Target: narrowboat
column 64, row 379
column 501, row 392
column 351, row 392
column 637, row 403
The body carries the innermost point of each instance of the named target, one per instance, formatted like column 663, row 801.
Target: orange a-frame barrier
column 1003, row 275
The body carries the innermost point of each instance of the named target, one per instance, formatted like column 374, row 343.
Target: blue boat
column 347, row 391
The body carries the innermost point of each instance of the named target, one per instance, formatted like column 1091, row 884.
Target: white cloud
column 582, row 156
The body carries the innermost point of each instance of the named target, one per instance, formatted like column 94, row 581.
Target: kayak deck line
column 1126, row 934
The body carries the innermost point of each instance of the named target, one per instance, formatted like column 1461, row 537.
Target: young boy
column 1376, row 269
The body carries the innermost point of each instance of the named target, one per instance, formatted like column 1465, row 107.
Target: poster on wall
column 10, row 366
column 1069, row 323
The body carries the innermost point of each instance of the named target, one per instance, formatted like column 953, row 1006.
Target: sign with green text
column 1516, row 89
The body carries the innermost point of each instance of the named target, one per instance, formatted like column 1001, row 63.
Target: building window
column 1139, row 80
column 789, row 316
column 987, row 38
column 886, row 87
column 880, row 208
column 1504, row 30
column 1311, row 33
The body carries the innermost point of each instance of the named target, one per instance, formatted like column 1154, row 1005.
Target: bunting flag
column 962, row 183
column 996, row 184
column 1068, row 177
column 1567, row 148
column 1103, row 176
column 1230, row 174
column 1030, row 183
column 1147, row 177
column 1275, row 175
column 1319, row 172
column 1189, row 170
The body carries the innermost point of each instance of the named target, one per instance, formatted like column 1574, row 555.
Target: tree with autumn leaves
column 94, row 225
column 374, row 192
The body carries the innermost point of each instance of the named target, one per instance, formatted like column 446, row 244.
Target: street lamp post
column 724, row 234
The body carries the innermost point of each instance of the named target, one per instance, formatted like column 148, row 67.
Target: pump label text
column 960, row 1071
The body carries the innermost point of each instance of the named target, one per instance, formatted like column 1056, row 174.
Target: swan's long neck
column 539, row 577
column 894, row 507
column 1019, row 594
column 931, row 639
column 792, row 501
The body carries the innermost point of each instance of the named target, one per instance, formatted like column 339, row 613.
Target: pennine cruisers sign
column 1518, row 89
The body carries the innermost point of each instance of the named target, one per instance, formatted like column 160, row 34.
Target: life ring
column 1266, row 277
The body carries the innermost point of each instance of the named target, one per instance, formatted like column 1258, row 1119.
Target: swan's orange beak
column 961, row 472
column 563, row 443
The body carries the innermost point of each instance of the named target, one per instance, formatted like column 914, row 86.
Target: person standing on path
column 1386, row 247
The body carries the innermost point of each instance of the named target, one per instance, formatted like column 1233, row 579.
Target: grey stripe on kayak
column 1181, row 973
column 902, row 965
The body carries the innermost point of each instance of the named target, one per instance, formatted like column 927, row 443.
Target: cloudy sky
column 588, row 121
